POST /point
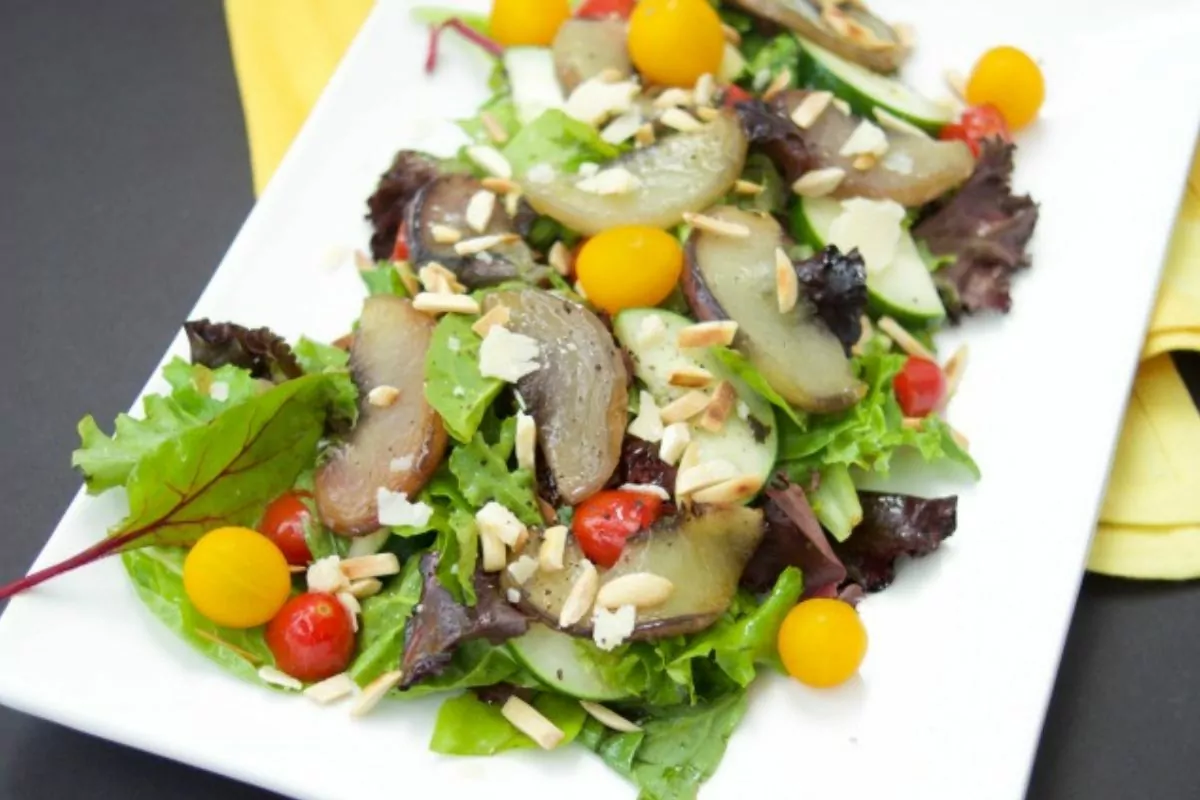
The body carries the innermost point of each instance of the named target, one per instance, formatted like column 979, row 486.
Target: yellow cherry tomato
column 527, row 22
column 236, row 577
column 674, row 42
column 822, row 642
column 1011, row 81
column 631, row 267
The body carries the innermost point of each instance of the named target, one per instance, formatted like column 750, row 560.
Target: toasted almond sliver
column 375, row 691
column 780, row 82
column 495, row 557
column 906, row 341
column 523, row 569
column 954, row 368
column 611, row 75
column 716, row 226
column 480, row 208
column 637, row 589
column 432, row 303
column 707, row 113
column 512, row 203
column 708, row 334
column 493, row 128
column 276, row 677
column 554, row 542
column 496, row 315
column 891, row 122
column 841, row 105
column 811, row 108
column 581, row 597
column 376, row 566
column 444, row 234
column 433, row 275
column 529, row 721
column 645, row 135
column 646, row 488
column 731, row 34
column 702, row 476
column 499, row 185
column 673, row 98
column 819, row 182
column 748, row 188
column 675, row 440
column 680, row 120
column 689, row 377
column 233, row 648
column 332, row 689
column 865, row 162
column 408, row 277
column 549, row 514
column 352, row 606
column 704, row 89
column 719, row 408
column 488, row 158
column 383, row 396
column 526, row 445
column 868, row 330
column 684, row 408
column 608, row 718
column 787, row 285
column 367, row 587
column 471, row 247
column 731, row 491
column 559, row 258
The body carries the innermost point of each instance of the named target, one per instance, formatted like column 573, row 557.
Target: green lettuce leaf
column 436, row 15
column 453, row 384
column 325, row 359
column 467, row 726
column 772, row 58
column 558, row 140
column 741, row 367
column 774, row 195
column 867, row 435
column 835, row 502
column 483, row 474
column 157, row 575
column 676, row 750
column 381, row 626
column 383, row 279
column 107, row 461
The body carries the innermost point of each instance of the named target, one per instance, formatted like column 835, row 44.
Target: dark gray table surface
column 123, row 178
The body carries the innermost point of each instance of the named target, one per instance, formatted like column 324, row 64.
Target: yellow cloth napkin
column 284, row 52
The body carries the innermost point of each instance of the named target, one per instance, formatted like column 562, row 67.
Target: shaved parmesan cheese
column 872, row 226
column 496, row 520
column 396, row 510
column 523, row 569
column 648, row 424
column 325, row 575
column 281, row 679
column 595, row 100
column 508, row 356
column 611, row 628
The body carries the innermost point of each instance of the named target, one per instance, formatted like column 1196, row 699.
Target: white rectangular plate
column 964, row 646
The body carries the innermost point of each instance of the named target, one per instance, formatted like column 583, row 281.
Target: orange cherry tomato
column 517, row 23
column 674, row 42
column 1010, row 80
column 236, row 577
column 822, row 642
column 633, row 266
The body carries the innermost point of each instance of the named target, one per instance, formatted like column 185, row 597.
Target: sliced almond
column 332, row 689
column 375, row 566
column 646, row 488
column 673, row 98
column 493, row 128
column 623, row 128
column 728, row 492
column 719, row 408
column 680, row 120
column 684, row 408
column 708, row 334
column 490, row 160
column 444, row 234
column 480, row 244
column 608, row 718
column 841, row 105
column 480, row 209
column 731, row 34
column 905, row 340
column 407, row 277
column 689, row 459
column 707, row 113
column 582, row 595
column 865, row 162
column 647, row 425
column 955, row 368
column 718, row 226
column 690, row 377
column 495, row 558
column 352, row 606
column 645, row 135
column 748, row 188
column 523, row 569
column 868, row 331
column 781, row 81
column 367, row 587
column 811, row 108
column 890, row 121
column 611, row 75
column 375, row 691
column 499, row 185
column 529, row 721
column 704, row 90
column 637, row 589
column 867, row 139
column 276, row 677
column 512, row 203
column 554, row 542
column 702, row 476
column 560, row 258
column 526, row 442
column 383, row 396
column 496, row 315
column 675, row 440
column 819, row 182
column 787, row 285
column 611, row 181
column 432, row 303
column 434, row 277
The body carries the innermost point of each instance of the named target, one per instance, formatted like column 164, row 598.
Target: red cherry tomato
column 311, row 637
column 605, row 520
column 600, row 9
column 400, row 250
column 919, row 386
column 975, row 125
column 283, row 523
column 735, row 95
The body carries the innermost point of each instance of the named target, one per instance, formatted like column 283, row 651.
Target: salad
column 590, row 459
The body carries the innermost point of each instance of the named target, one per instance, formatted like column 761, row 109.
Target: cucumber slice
column 904, row 289
column 749, row 443
column 557, row 660
column 865, row 90
column 534, row 83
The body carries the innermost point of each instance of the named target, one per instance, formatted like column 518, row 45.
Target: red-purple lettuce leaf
column 836, row 284
column 894, row 525
column 793, row 538
column 264, row 353
column 386, row 208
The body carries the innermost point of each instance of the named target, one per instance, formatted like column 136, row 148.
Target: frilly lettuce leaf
column 467, row 726
column 454, row 385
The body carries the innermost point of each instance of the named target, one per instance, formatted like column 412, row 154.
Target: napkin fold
column 284, row 52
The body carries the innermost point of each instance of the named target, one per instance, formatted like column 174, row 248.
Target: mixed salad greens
column 590, row 458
